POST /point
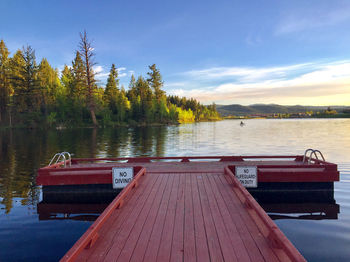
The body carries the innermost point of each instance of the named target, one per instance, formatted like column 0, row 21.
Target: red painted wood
column 263, row 251
column 209, row 223
column 116, row 222
column 136, row 220
column 189, row 230
column 226, row 249
column 91, row 233
column 177, row 247
column 202, row 250
column 186, row 217
column 234, row 207
column 236, row 241
column 164, row 249
column 150, row 235
column 143, row 226
column 268, row 170
column 273, row 231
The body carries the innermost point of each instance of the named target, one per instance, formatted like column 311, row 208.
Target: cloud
column 313, row 18
column 120, row 73
column 308, row 83
column 244, row 74
column 101, row 73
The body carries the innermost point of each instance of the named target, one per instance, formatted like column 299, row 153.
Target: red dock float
column 271, row 169
column 187, row 208
column 200, row 216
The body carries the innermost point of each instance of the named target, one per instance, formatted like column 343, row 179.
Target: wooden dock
column 177, row 215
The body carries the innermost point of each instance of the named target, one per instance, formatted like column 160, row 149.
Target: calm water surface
column 31, row 231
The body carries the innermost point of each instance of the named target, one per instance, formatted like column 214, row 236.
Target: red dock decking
column 201, row 215
column 187, row 208
column 269, row 168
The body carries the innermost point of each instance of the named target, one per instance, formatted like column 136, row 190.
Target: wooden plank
column 147, row 246
column 143, row 226
column 260, row 241
column 212, row 237
column 187, row 216
column 202, row 250
column 116, row 222
column 224, row 240
column 230, row 224
column 177, row 247
column 265, row 224
column 189, row 238
column 168, row 228
column 243, row 222
column 120, row 238
column 92, row 232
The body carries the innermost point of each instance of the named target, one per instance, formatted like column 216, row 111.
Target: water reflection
column 315, row 205
column 68, row 211
column 22, row 152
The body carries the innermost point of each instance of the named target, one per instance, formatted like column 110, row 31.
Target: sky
column 227, row 52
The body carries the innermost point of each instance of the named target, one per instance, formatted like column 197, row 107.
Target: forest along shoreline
column 37, row 95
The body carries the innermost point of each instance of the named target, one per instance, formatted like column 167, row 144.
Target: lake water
column 30, row 231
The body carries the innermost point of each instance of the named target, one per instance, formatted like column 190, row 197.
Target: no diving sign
column 247, row 175
column 122, row 176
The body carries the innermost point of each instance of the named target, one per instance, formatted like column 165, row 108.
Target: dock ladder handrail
column 58, row 156
column 313, row 152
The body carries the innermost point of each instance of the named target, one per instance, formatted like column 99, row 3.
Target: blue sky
column 245, row 52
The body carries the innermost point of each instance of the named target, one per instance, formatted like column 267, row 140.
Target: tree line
column 33, row 94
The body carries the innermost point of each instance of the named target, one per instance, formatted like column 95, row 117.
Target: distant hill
column 239, row 110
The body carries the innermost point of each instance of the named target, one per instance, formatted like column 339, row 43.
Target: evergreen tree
column 155, row 81
column 31, row 85
column 49, row 85
column 144, row 91
column 111, row 93
column 86, row 50
column 5, row 88
column 123, row 106
column 78, row 88
column 24, row 80
column 134, row 98
column 67, row 81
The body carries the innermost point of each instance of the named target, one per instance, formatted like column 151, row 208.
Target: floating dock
column 185, row 208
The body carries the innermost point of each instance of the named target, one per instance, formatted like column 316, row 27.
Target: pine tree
column 67, row 81
column 144, row 91
column 5, row 88
column 24, row 80
column 86, row 50
column 78, row 88
column 134, row 98
column 111, row 92
column 155, row 81
column 30, row 73
column 49, row 84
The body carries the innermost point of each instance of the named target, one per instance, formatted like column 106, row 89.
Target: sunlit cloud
column 244, row 74
column 308, row 83
column 120, row 73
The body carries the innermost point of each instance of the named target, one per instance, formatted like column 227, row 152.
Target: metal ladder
column 314, row 152
column 62, row 155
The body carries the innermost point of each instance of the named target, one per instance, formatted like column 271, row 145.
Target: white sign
column 122, row 176
column 247, row 175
